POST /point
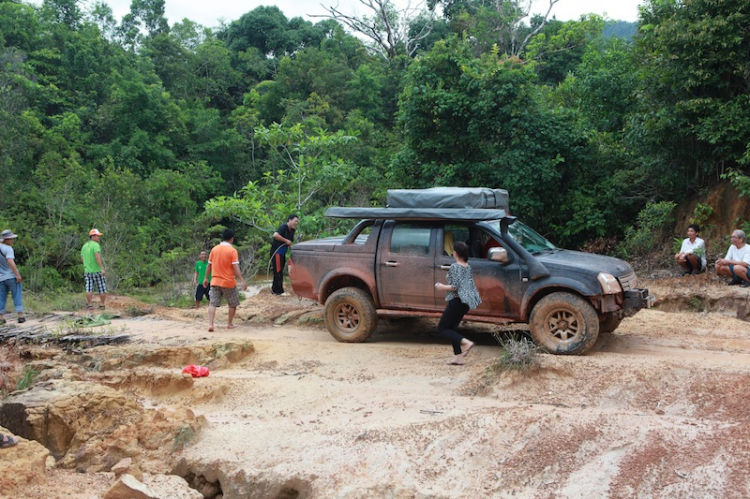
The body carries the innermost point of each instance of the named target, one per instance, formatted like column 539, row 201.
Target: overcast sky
column 209, row 12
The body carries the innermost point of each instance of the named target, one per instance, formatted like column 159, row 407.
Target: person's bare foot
column 457, row 360
column 232, row 326
column 466, row 345
column 210, row 329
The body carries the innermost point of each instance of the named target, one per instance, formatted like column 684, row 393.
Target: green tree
column 559, row 48
column 268, row 30
column 694, row 112
column 391, row 30
column 313, row 177
column 500, row 24
column 483, row 121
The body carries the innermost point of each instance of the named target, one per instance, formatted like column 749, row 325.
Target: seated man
column 736, row 263
column 692, row 255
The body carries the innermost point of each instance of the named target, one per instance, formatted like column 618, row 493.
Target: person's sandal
column 7, row 441
column 2, row 321
column 101, row 307
column 21, row 320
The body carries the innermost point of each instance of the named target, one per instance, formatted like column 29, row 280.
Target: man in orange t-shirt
column 224, row 269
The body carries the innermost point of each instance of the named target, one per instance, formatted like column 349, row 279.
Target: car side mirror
column 498, row 255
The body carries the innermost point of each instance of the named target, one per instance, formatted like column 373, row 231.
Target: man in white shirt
column 737, row 261
column 692, row 255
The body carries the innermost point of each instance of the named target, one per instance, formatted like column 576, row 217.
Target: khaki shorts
column 231, row 295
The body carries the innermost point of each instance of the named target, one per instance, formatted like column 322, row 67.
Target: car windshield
column 529, row 238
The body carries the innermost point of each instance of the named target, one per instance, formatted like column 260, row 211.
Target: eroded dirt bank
column 659, row 408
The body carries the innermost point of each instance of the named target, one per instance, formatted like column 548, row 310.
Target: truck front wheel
column 350, row 315
column 564, row 324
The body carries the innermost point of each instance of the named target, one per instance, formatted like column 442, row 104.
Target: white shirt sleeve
column 746, row 254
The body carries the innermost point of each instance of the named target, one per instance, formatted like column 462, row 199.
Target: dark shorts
column 95, row 279
column 230, row 294
column 731, row 271
column 200, row 292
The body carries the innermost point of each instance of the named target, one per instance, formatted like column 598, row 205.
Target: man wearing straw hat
column 93, row 269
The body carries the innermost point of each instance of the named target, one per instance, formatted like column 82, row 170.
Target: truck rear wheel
column 564, row 324
column 350, row 315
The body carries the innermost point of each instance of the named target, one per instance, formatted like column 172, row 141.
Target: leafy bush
column 739, row 180
column 648, row 233
column 701, row 214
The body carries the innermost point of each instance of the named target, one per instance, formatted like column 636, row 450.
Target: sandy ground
column 659, row 408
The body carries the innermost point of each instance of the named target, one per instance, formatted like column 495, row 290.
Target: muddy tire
column 564, row 324
column 609, row 323
column 350, row 315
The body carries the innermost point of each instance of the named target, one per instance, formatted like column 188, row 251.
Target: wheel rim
column 347, row 317
column 563, row 325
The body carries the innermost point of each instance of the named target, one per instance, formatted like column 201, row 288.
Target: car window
column 363, row 234
column 410, row 238
column 480, row 242
column 452, row 233
column 529, row 238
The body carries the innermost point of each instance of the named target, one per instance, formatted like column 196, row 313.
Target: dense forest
column 159, row 135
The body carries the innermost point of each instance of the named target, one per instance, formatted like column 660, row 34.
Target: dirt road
column 658, row 409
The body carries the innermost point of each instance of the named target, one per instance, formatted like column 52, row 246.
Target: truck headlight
column 609, row 284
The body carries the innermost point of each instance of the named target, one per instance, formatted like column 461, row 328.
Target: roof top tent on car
column 449, row 197
column 437, row 203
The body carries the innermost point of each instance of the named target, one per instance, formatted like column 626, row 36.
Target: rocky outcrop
column 92, row 427
column 214, row 355
column 21, row 465
column 158, row 487
column 243, row 482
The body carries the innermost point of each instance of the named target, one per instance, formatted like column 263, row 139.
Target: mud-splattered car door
column 500, row 284
column 406, row 266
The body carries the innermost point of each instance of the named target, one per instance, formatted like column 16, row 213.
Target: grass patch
column 180, row 301
column 519, row 354
column 27, row 380
column 145, row 295
column 165, row 295
column 136, row 311
column 696, row 304
column 52, row 301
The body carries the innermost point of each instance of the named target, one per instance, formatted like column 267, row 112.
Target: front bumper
column 636, row 299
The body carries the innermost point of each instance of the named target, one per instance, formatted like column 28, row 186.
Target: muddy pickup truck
column 389, row 263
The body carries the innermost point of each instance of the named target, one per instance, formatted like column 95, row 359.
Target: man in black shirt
column 282, row 241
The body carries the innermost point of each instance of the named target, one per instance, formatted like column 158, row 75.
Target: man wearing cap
column 93, row 269
column 10, row 278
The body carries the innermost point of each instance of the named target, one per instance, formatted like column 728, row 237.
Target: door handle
column 445, row 267
column 392, row 264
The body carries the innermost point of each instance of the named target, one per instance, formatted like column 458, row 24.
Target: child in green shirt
column 199, row 277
